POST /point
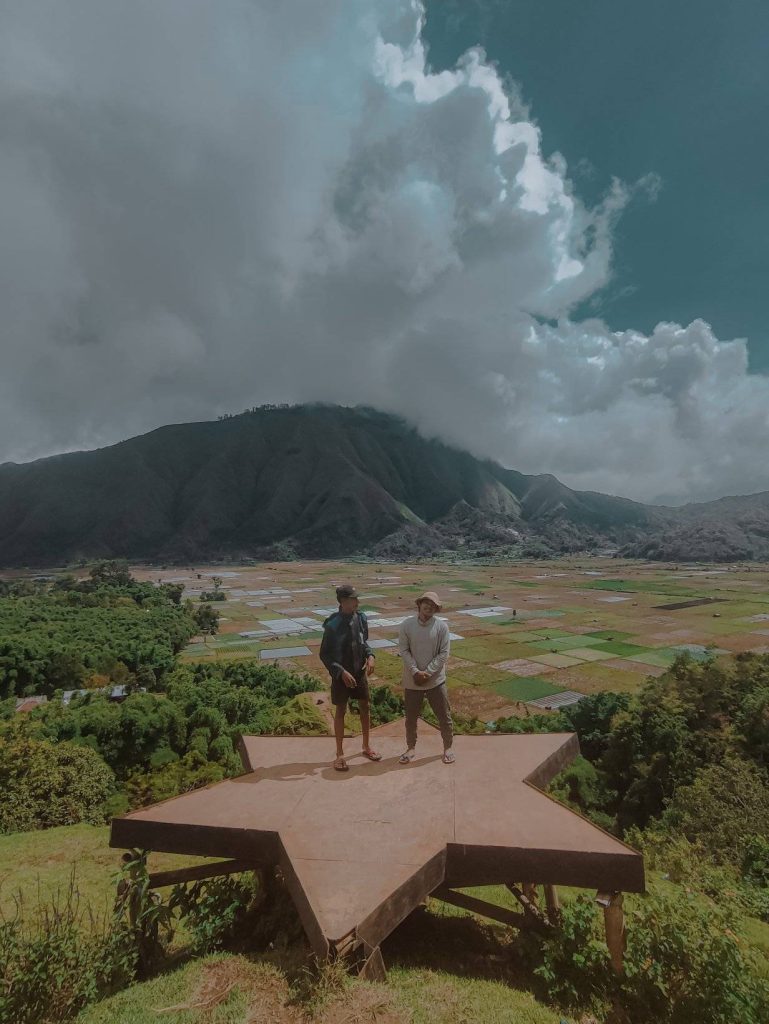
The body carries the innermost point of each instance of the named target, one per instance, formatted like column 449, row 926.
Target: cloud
column 208, row 206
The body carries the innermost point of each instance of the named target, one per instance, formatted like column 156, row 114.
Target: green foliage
column 592, row 718
column 269, row 680
column 532, row 724
column 45, row 784
column 724, row 807
column 190, row 772
column 684, row 964
column 298, row 717
column 142, row 915
column 160, row 745
column 650, row 748
column 385, row 705
column 125, row 734
column 62, row 961
column 582, row 787
column 58, row 637
column 755, row 861
column 218, row 913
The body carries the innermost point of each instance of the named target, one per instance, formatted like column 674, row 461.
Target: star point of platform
column 359, row 850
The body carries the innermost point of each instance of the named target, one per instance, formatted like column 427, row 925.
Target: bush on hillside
column 45, row 784
column 684, row 964
column 50, row 973
column 724, row 807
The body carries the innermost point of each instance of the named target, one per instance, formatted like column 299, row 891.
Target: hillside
column 322, row 481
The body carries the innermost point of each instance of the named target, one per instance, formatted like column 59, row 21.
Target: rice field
column 523, row 632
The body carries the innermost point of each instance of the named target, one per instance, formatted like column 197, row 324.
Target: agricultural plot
column 521, row 634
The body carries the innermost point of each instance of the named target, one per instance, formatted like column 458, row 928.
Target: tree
column 45, row 784
column 207, row 620
column 722, row 809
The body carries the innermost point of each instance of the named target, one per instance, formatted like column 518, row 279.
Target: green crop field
column 576, row 615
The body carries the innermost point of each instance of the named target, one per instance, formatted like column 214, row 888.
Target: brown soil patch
column 471, row 701
column 271, row 1000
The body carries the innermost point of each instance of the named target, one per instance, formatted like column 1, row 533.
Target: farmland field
column 521, row 632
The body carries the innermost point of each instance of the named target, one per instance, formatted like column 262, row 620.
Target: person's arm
column 364, row 630
column 404, row 646
column 442, row 655
column 329, row 652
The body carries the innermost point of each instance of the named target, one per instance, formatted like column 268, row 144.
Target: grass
column 595, row 678
column 487, row 650
column 644, row 587
column 224, row 989
column 620, row 649
column 444, row 965
column 523, row 636
column 609, row 634
column 41, row 863
column 525, row 688
column 660, row 658
column 565, row 643
column 388, row 666
column 479, row 675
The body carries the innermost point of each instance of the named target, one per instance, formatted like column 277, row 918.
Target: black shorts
column 340, row 693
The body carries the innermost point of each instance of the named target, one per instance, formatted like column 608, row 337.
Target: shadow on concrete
column 359, row 766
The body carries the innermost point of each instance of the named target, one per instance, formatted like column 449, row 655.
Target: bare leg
column 365, row 722
column 339, row 712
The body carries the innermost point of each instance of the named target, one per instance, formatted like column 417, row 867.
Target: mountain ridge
column 325, row 481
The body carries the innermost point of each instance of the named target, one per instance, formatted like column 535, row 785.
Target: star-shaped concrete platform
column 360, row 850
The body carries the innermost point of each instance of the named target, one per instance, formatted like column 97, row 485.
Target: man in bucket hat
column 424, row 648
column 346, row 654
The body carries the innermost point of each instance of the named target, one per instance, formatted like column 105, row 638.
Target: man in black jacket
column 350, row 661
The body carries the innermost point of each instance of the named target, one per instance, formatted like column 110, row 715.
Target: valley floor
column 526, row 636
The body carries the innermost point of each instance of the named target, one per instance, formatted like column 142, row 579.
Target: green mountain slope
column 315, row 480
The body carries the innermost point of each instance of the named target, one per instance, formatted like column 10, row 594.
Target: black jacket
column 345, row 644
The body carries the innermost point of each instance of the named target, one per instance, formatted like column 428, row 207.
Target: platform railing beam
column 481, row 907
column 197, row 872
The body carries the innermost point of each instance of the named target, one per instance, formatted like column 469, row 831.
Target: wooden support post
column 530, row 909
column 614, row 923
column 530, row 892
column 346, row 946
column 552, row 903
column 373, row 967
column 158, row 879
column 482, row 908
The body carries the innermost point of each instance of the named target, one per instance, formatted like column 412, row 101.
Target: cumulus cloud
column 208, row 206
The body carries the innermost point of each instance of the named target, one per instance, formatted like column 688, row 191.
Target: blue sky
column 679, row 88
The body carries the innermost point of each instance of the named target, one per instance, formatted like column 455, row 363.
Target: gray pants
column 438, row 699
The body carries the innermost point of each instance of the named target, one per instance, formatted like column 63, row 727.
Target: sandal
column 371, row 755
column 449, row 757
column 341, row 765
column 407, row 757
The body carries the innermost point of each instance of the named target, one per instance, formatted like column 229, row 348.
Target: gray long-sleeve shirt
column 424, row 648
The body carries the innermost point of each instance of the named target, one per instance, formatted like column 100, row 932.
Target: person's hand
column 348, row 679
column 370, row 663
column 420, row 678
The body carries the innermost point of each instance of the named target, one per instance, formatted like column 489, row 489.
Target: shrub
column 722, row 809
column 44, row 785
column 385, row 705
column 52, row 967
column 218, row 912
column 684, row 964
column 755, row 861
